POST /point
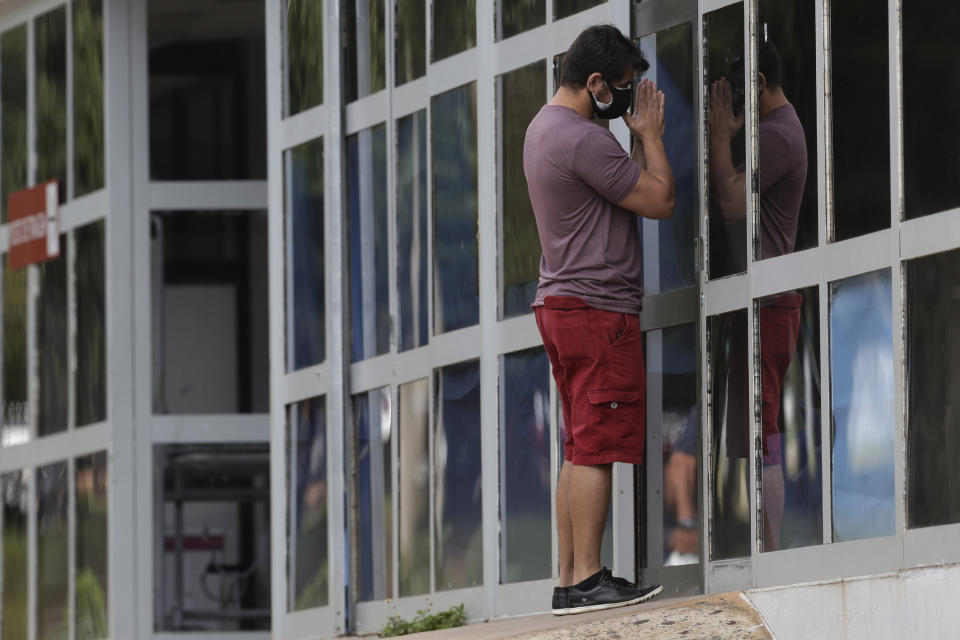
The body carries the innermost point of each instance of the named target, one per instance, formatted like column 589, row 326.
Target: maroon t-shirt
column 783, row 173
column 576, row 171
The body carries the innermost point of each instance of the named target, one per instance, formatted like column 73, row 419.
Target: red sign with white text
column 34, row 225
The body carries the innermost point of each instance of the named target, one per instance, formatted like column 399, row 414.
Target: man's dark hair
column 600, row 48
column 769, row 64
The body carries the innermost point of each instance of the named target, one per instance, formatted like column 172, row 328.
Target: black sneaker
column 602, row 591
column 561, row 600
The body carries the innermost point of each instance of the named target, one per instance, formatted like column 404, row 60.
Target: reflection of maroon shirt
column 576, row 171
column 783, row 173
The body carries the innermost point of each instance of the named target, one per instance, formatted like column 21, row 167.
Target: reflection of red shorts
column 597, row 360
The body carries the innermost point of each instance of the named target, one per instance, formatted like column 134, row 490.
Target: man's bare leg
column 564, row 526
column 588, row 500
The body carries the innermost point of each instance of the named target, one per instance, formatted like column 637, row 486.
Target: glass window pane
column 861, row 384
column 414, row 491
column 792, row 484
column 787, row 162
column 454, row 27
column 88, row 160
column 15, row 427
column 930, row 147
column 308, row 568
column 374, row 494
column 412, row 245
column 454, row 147
column 410, row 24
column 668, row 245
column 91, row 550
column 517, row 16
column 859, row 66
column 51, row 308
column 50, row 49
column 303, row 240
column 214, row 563
column 304, row 62
column 457, row 478
column 210, row 312
column 52, row 562
column 521, row 93
column 13, row 622
column 367, row 230
column 730, row 433
column 564, row 8
column 526, row 524
column 90, row 377
column 208, row 107
column 672, row 370
column 723, row 35
column 13, row 105
column 364, row 48
column 933, row 375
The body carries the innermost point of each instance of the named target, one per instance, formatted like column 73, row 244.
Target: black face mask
column 620, row 102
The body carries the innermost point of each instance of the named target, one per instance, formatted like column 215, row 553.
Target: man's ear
column 761, row 81
column 596, row 85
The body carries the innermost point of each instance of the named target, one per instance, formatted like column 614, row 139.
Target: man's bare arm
column 653, row 196
column 728, row 184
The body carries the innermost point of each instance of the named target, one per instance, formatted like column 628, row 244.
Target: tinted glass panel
column 90, row 607
column 933, row 377
column 303, row 241
column 51, row 308
column 414, row 489
column 723, row 50
column 15, row 427
column 517, row 16
column 792, row 484
column 364, row 59
column 454, row 146
column 454, row 27
column 374, row 495
column 308, row 569
column 367, row 231
column 412, row 248
column 861, row 143
column 208, row 108
column 13, row 623
column 90, row 377
column 521, row 93
column 210, row 312
column 50, row 50
column 304, row 68
column 13, row 103
column 931, row 153
column 214, row 569
column 457, row 478
column 564, row 8
column 668, row 245
column 411, row 40
column 525, row 467
column 672, row 383
column 861, row 382
column 730, row 436
column 53, row 565
column 88, row 140
column 787, row 163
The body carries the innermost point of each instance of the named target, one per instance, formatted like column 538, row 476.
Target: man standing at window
column 586, row 193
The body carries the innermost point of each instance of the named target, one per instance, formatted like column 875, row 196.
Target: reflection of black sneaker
column 603, row 591
column 561, row 600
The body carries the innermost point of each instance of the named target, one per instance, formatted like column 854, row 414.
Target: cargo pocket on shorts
column 616, row 414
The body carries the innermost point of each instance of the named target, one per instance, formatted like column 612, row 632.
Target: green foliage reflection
column 13, row 106
column 304, row 55
column 88, row 96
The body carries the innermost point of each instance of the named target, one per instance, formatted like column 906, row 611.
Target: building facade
column 283, row 379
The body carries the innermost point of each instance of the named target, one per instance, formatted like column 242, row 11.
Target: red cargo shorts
column 597, row 361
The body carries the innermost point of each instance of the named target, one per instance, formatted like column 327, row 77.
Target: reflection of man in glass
column 586, row 192
column 782, row 173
